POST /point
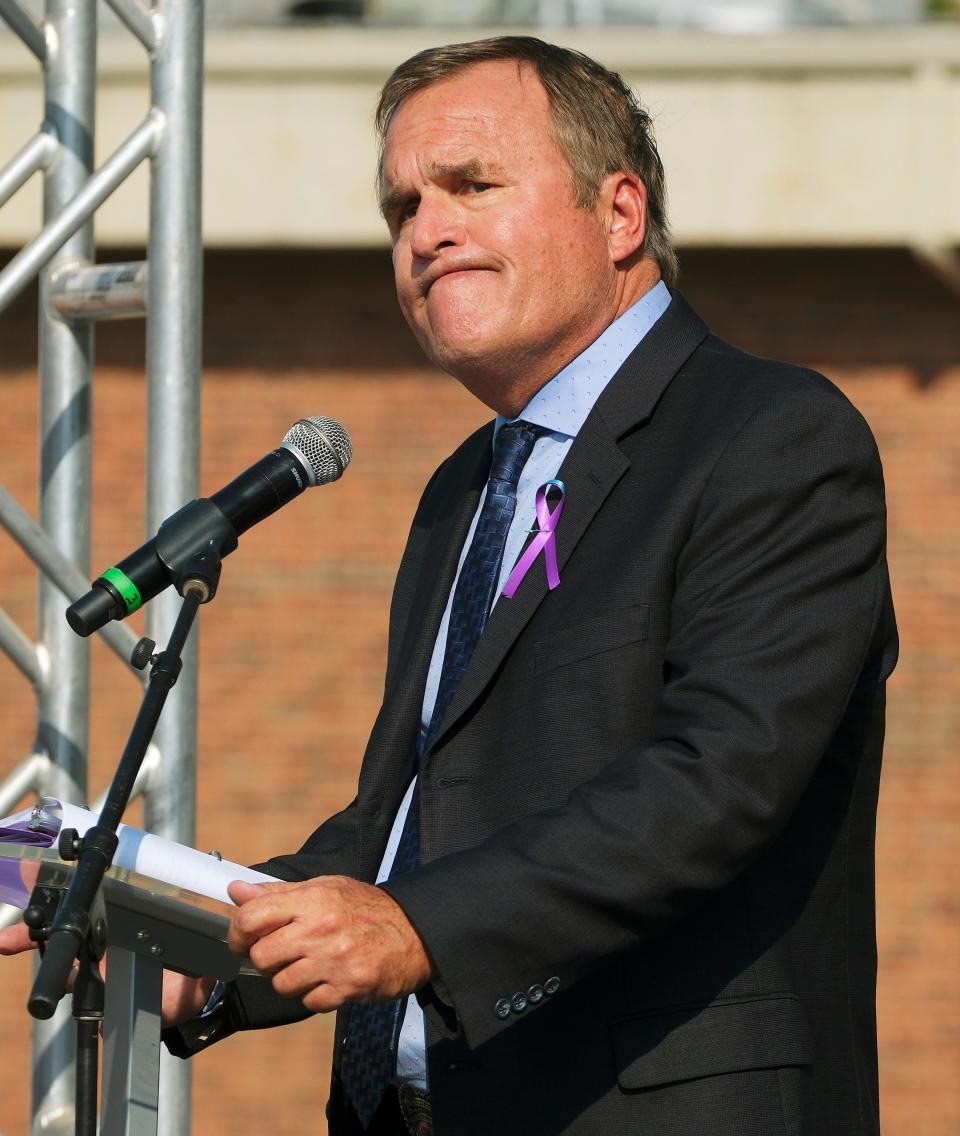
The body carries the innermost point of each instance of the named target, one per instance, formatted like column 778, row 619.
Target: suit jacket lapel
column 633, row 393
column 590, row 471
column 399, row 719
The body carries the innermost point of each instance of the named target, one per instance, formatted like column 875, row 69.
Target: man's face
column 502, row 278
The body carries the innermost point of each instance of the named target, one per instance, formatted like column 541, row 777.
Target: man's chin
column 488, row 376
column 458, row 350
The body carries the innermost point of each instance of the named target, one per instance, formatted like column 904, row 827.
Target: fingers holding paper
column 16, row 939
column 328, row 940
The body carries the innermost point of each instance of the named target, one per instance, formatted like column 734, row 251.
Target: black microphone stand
column 75, row 935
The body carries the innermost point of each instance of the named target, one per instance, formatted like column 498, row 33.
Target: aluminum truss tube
column 66, row 360
column 174, row 307
column 22, row 653
column 75, row 211
column 62, row 571
column 24, row 27
column 35, row 155
column 26, row 778
column 139, row 20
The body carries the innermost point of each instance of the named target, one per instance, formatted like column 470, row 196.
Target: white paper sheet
column 147, row 854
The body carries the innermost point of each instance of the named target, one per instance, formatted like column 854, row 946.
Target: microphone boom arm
column 94, row 852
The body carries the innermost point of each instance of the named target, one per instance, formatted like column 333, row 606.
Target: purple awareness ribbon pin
column 545, row 539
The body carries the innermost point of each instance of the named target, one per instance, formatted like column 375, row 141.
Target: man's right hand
column 183, row 998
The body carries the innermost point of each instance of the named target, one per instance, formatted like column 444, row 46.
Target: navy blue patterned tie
column 368, row 1063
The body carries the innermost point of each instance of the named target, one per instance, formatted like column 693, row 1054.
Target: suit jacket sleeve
column 777, row 617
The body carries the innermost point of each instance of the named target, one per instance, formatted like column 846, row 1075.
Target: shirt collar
column 562, row 404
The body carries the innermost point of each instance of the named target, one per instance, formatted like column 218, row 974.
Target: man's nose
column 438, row 224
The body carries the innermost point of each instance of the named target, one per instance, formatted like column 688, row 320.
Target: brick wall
column 292, row 649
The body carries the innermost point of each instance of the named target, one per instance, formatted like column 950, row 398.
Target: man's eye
column 477, row 186
column 408, row 210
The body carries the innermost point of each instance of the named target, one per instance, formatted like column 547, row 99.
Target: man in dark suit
column 622, row 825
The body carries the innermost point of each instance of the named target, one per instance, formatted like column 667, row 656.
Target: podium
column 148, row 925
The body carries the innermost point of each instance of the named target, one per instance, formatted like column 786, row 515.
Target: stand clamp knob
column 142, row 653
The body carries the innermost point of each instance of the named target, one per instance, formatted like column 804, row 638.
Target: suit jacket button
column 502, row 1008
column 519, row 1002
column 552, row 985
column 535, row 994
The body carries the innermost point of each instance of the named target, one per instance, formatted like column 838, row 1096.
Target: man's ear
column 624, row 199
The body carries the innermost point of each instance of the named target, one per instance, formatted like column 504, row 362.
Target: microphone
column 314, row 451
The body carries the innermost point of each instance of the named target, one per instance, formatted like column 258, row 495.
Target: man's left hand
column 328, row 940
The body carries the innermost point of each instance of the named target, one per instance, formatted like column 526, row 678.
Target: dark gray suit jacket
column 648, row 820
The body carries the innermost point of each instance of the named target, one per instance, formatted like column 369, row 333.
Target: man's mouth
column 454, row 272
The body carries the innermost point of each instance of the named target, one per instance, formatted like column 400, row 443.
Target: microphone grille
column 323, row 444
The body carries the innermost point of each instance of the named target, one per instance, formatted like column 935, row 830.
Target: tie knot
column 511, row 448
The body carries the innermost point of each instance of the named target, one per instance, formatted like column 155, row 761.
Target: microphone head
column 323, row 446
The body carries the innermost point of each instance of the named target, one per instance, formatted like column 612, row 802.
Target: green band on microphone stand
column 128, row 590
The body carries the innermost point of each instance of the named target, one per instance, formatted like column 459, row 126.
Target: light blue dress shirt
column 562, row 406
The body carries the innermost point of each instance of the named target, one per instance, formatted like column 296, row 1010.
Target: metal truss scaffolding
column 74, row 292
